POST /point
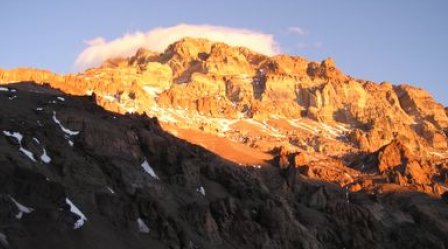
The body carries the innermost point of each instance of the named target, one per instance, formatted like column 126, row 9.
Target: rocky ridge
column 73, row 175
column 341, row 125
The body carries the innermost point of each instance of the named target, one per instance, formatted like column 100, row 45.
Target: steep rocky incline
column 243, row 105
column 73, row 175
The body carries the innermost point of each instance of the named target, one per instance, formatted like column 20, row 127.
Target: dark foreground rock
column 75, row 176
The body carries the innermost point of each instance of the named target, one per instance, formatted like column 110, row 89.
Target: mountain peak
column 257, row 103
column 189, row 47
column 344, row 142
column 92, row 171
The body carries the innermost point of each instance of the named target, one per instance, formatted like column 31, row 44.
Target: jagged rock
column 156, row 75
column 327, row 70
column 418, row 103
column 393, row 156
column 115, row 63
column 129, row 204
column 202, row 87
column 142, row 57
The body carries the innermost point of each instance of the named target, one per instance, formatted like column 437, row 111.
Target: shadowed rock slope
column 76, row 176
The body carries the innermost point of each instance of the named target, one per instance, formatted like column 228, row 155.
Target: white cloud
column 297, row 30
column 158, row 39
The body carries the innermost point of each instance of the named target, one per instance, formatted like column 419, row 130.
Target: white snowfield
column 145, row 165
column 183, row 119
column 65, row 130
column 4, row 89
column 75, row 210
column 22, row 209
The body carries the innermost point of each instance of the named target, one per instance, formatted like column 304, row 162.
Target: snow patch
column 110, row 190
column 61, row 99
column 266, row 127
column 15, row 135
column 336, row 132
column 19, row 138
column 274, row 131
column 75, row 210
column 22, row 209
column 303, row 126
column 254, row 122
column 39, row 109
column 44, row 157
column 225, row 124
column 65, row 130
column 3, row 240
column 4, row 89
column 129, row 110
column 27, row 153
column 142, row 227
column 164, row 115
column 149, row 170
column 201, row 190
column 109, row 98
column 167, row 119
column 153, row 91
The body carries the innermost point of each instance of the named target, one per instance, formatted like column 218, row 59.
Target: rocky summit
column 211, row 146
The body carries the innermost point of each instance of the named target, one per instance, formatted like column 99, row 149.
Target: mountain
column 211, row 146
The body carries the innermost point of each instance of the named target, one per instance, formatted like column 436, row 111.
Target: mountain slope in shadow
column 73, row 175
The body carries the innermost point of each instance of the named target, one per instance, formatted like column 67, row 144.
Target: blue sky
column 401, row 41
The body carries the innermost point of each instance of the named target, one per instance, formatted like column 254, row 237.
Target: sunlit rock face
column 201, row 88
column 73, row 175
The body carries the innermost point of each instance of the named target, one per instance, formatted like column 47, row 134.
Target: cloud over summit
column 99, row 49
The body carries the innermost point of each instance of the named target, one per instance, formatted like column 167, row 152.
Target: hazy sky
column 383, row 40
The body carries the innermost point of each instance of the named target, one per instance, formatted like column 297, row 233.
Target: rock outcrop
column 200, row 87
column 73, row 175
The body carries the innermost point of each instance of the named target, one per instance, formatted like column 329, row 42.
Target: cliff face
column 206, row 92
column 245, row 151
column 75, row 176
